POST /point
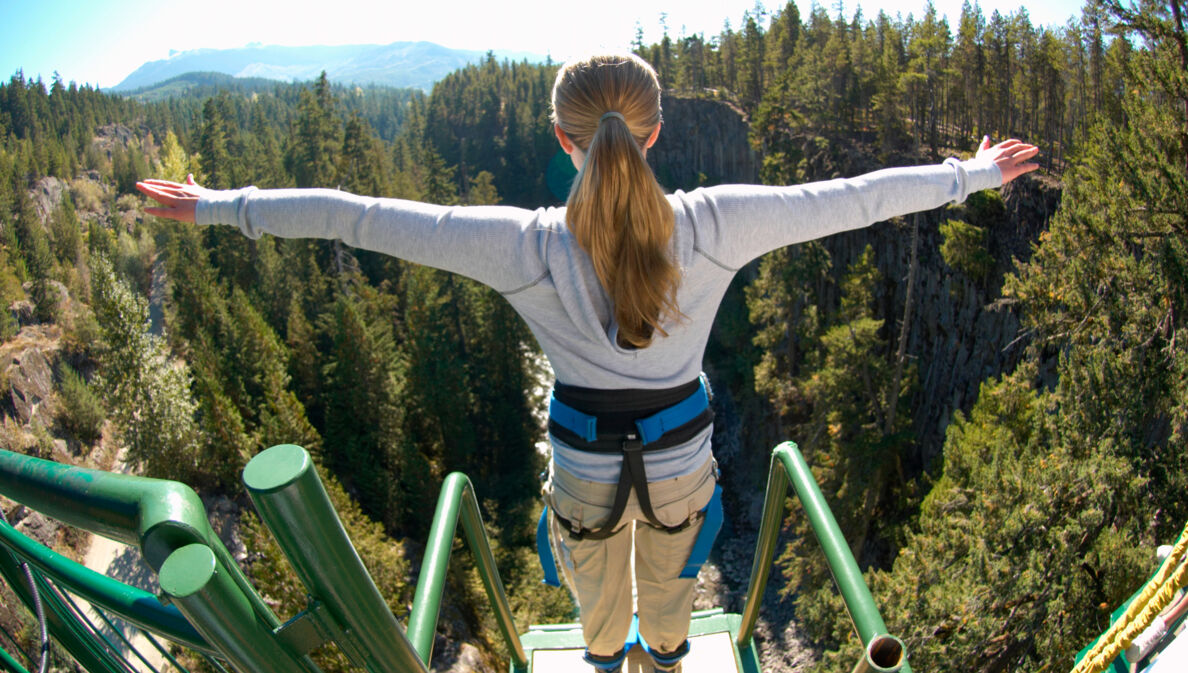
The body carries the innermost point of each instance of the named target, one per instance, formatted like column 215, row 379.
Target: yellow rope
column 1158, row 593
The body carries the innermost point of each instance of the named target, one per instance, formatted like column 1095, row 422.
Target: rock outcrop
column 702, row 142
column 32, row 382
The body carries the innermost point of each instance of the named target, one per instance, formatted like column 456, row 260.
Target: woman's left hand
column 179, row 199
column 1011, row 157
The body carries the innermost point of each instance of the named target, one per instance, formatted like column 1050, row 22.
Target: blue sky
column 102, row 41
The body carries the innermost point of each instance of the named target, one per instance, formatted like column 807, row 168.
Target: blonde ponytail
column 616, row 209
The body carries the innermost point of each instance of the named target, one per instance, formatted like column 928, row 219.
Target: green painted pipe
column 769, row 531
column 155, row 515
column 787, row 464
column 10, row 664
column 883, row 654
column 457, row 500
column 134, row 605
column 195, row 581
column 284, row 485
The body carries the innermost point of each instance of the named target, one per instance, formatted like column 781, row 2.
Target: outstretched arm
column 495, row 245
column 737, row 223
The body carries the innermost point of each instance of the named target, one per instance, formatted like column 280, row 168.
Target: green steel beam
column 162, row 518
column 9, row 663
column 457, row 501
column 284, row 485
column 195, row 581
column 134, row 605
column 155, row 515
column 787, row 464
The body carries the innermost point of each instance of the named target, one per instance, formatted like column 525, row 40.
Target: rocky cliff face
column 702, row 142
column 959, row 334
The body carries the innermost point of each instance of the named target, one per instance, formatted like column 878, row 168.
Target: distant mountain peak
column 400, row 64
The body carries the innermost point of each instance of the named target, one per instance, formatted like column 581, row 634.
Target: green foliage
column 10, row 292
column 363, row 382
column 964, row 249
column 82, row 412
column 175, row 164
column 39, row 261
column 316, row 138
column 491, row 117
column 1050, row 498
column 66, row 233
column 1017, row 544
column 148, row 392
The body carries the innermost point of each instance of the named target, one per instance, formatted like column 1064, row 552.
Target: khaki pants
column 598, row 572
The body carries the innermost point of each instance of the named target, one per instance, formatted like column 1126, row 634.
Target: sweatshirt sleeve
column 499, row 246
column 737, row 223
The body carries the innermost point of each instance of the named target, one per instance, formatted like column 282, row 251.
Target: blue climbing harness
column 615, row 429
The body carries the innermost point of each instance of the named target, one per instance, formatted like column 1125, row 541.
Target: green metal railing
column 209, row 606
column 212, row 608
column 882, row 652
column 457, row 501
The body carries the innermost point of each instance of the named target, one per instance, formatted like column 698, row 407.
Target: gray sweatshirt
column 531, row 258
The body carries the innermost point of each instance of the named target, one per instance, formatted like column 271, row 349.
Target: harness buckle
column 632, row 442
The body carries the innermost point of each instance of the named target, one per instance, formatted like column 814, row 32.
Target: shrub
column 964, row 249
column 82, row 413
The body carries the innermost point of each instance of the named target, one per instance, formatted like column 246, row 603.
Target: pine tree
column 147, row 389
column 175, row 165
column 39, row 261
column 363, row 416
column 316, row 138
column 361, row 166
column 214, row 158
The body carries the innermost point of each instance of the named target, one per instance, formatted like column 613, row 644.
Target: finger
column 190, row 179
column 170, row 190
column 156, row 193
column 157, row 185
column 150, row 191
column 985, row 143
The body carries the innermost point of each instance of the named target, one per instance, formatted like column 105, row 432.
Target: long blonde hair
column 616, row 209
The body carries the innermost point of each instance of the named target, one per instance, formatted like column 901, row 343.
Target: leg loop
column 606, row 664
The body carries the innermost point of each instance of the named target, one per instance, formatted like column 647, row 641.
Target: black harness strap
column 628, row 442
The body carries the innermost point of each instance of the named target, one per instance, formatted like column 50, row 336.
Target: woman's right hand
column 1011, row 157
column 179, row 200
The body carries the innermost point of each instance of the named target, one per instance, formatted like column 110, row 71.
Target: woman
column 620, row 288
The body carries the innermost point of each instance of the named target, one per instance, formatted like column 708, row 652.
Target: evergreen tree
column 316, row 138
column 364, row 382
column 361, row 167
column 67, row 235
column 39, row 261
column 147, row 389
column 214, row 158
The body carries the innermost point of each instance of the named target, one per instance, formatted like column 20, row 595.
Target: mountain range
column 399, row 64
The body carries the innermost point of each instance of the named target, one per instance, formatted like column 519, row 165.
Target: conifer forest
column 993, row 395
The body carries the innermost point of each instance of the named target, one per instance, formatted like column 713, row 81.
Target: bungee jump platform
column 207, row 605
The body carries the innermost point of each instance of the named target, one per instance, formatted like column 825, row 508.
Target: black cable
column 39, row 608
